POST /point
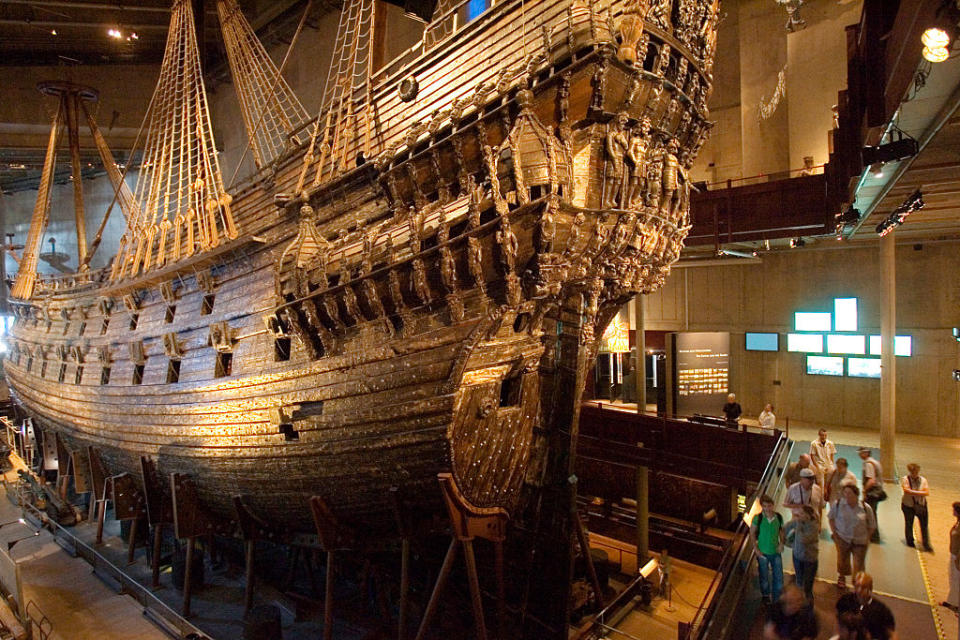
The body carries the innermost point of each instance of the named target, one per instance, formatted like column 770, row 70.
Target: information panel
column 702, row 367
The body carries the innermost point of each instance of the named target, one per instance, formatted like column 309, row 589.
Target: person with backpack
column 767, row 527
column 805, row 527
column 873, row 492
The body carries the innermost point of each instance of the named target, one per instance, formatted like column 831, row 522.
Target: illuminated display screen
column 843, row 343
column 845, row 314
column 824, row 366
column 763, row 342
column 805, row 342
column 806, row 321
column 863, row 367
column 902, row 345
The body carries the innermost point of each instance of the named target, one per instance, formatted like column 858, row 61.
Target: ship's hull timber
column 433, row 311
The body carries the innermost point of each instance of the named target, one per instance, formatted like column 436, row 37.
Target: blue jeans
column 806, row 573
column 770, row 564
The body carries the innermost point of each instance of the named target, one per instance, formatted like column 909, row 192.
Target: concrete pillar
column 640, row 367
column 643, row 516
column 888, row 365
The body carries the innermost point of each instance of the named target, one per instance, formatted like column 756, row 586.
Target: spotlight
column 115, row 33
column 877, row 170
column 53, row 32
column 796, row 243
column 902, row 148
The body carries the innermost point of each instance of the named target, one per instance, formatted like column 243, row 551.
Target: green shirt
column 768, row 533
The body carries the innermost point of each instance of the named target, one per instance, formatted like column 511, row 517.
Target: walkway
column 911, row 582
column 77, row 603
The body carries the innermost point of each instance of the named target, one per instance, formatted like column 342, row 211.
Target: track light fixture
column 899, row 215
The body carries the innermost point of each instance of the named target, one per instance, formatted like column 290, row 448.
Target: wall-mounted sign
column 702, row 369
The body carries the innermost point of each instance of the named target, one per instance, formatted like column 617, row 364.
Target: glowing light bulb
column 935, row 38
column 937, row 54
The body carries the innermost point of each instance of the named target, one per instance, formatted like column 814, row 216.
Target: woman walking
column 805, row 527
column 914, row 504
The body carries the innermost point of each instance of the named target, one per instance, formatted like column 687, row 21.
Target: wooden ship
column 414, row 281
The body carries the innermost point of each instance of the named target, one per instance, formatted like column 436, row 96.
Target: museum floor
column 80, row 606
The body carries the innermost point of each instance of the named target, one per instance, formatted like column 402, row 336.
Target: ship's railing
column 70, row 281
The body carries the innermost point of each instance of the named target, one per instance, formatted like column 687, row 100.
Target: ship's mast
column 72, row 100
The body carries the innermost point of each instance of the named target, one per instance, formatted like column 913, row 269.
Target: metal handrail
column 705, row 617
column 38, row 620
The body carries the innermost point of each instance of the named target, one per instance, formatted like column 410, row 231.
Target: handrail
column 728, row 183
column 703, row 620
column 38, row 620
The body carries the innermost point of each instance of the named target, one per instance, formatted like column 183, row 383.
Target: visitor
column 852, row 522
column 767, row 529
column 877, row 617
column 792, row 618
column 767, row 419
column 805, row 528
column 840, row 476
column 794, row 469
column 804, row 492
column 953, row 598
column 823, row 451
column 914, row 503
column 850, row 627
column 873, row 493
column 732, row 410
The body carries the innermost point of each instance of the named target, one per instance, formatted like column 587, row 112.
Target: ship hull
column 434, row 312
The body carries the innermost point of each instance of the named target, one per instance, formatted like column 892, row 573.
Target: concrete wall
column 16, row 210
column 763, row 297
column 753, row 47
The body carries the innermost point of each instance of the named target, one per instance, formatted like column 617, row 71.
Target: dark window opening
column 105, row 375
column 281, row 349
column 30, row 363
column 63, row 372
column 66, row 326
column 289, row 433
column 134, row 319
column 138, row 374
column 43, row 369
column 173, row 371
column 79, row 376
column 307, row 409
column 224, row 364
column 171, row 310
column 207, row 307
column 397, row 322
column 535, row 192
column 83, row 327
column 510, row 391
column 104, row 325
column 521, row 322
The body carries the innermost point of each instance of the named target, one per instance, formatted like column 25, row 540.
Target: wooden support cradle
column 470, row 522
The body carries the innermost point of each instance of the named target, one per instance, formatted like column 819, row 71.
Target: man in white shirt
column 914, row 504
column 823, row 451
column 804, row 492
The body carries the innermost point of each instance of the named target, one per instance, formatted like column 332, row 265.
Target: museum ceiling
column 71, row 32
